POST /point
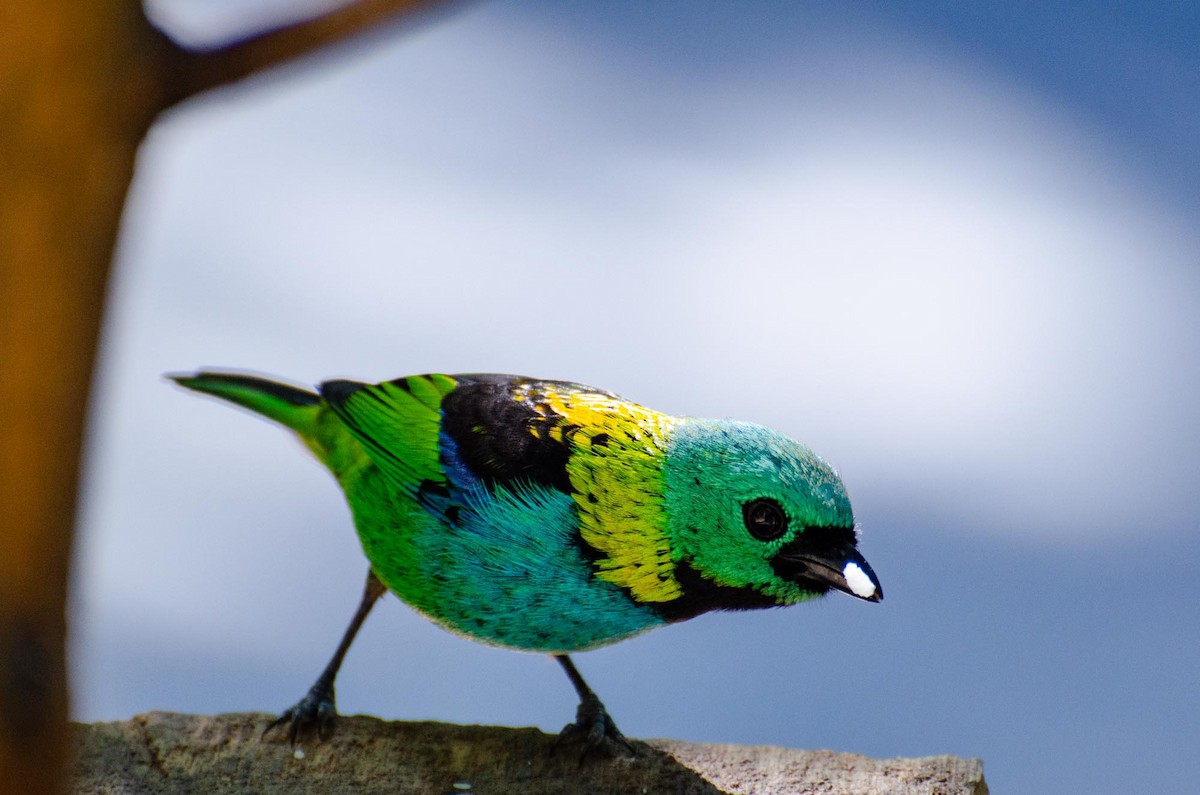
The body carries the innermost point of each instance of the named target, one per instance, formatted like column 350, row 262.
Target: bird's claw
column 597, row 731
column 316, row 709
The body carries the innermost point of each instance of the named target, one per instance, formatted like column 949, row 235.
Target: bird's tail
column 288, row 405
column 303, row 411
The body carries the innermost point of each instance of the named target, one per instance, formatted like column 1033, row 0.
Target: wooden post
column 80, row 83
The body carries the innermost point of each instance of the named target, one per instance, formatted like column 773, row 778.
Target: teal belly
column 509, row 573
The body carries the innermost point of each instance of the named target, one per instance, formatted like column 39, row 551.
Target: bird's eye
column 765, row 518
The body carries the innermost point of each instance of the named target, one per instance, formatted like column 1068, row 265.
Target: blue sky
column 951, row 247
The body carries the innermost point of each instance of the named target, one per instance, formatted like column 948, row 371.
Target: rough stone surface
column 163, row 752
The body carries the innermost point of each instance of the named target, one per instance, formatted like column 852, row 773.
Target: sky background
column 952, row 247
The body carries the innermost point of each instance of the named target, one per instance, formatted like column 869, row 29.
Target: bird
column 550, row 516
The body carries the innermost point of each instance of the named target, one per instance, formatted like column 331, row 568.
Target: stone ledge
column 166, row 752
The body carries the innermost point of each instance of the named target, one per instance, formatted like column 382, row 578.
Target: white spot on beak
column 860, row 584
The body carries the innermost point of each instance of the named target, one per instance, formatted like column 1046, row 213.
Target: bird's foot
column 316, row 709
column 597, row 731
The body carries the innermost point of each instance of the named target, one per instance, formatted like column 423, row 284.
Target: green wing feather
column 397, row 422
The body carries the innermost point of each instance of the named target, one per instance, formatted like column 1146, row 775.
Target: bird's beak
column 841, row 568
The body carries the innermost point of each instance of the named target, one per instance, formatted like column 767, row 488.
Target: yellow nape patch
column 615, row 466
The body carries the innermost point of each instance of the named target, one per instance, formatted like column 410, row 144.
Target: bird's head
column 756, row 518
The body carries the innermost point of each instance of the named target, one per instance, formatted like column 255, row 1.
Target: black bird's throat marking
column 700, row 595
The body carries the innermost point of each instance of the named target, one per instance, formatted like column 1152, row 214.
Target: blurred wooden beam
column 199, row 71
column 80, row 83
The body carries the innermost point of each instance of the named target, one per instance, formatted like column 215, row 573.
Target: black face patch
column 821, row 542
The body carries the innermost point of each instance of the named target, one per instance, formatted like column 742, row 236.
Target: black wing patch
column 495, row 433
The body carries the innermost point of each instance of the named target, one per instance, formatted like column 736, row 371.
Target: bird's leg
column 317, row 707
column 592, row 722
